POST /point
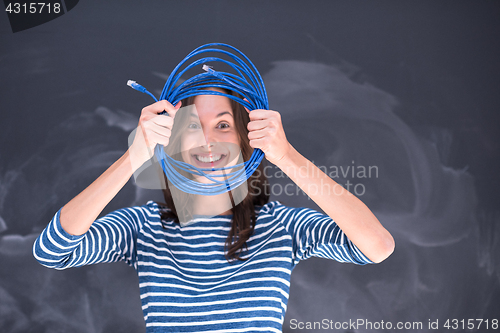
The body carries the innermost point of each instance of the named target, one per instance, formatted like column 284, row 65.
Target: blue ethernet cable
column 248, row 83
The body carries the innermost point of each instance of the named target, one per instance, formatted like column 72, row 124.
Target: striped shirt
column 186, row 283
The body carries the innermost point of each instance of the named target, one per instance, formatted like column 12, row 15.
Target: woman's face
column 210, row 139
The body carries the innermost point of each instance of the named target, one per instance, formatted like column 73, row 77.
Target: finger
column 257, row 134
column 258, row 143
column 257, row 125
column 155, row 108
column 160, row 130
column 159, row 139
column 244, row 106
column 259, row 114
column 154, row 134
column 176, row 107
column 173, row 112
column 161, row 120
column 161, row 106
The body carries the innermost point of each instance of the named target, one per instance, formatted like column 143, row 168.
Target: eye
column 193, row 126
column 223, row 125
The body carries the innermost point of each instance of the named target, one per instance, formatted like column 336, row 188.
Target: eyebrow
column 217, row 116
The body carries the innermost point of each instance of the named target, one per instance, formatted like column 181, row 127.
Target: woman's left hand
column 266, row 132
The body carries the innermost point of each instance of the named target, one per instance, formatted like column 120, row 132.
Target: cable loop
column 248, row 83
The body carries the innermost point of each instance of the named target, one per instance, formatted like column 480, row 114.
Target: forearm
column 352, row 216
column 78, row 215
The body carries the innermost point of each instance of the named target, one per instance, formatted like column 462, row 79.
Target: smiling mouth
column 209, row 159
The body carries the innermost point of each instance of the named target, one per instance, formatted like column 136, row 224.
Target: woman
column 226, row 267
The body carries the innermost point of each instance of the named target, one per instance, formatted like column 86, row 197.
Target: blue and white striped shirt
column 186, row 283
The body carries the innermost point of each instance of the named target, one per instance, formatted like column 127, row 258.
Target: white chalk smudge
column 119, row 118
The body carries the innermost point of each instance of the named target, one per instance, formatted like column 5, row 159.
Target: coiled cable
column 248, row 83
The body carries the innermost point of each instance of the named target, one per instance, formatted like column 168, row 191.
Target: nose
column 210, row 138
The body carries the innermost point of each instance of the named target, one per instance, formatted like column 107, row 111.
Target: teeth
column 208, row 159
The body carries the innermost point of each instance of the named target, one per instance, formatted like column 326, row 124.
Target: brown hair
column 244, row 217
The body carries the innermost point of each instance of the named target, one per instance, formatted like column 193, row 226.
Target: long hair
column 244, row 217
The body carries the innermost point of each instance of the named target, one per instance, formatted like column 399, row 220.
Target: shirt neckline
column 196, row 219
column 203, row 215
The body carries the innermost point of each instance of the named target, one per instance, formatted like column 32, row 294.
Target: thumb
column 244, row 106
column 176, row 108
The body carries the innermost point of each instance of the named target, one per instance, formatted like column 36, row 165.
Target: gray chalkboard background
column 410, row 87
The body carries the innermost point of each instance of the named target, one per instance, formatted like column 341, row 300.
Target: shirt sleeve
column 110, row 238
column 316, row 234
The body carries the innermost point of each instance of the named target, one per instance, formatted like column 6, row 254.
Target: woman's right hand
column 153, row 129
column 78, row 214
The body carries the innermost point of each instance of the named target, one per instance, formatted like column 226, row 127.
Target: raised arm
column 74, row 237
column 78, row 215
column 352, row 216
